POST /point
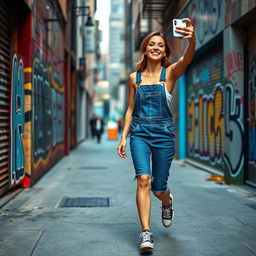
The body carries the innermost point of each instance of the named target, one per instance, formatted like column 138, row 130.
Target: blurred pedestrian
column 99, row 128
column 149, row 121
column 120, row 125
column 93, row 125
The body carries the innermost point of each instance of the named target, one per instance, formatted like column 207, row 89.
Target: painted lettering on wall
column 48, row 112
column 233, row 130
column 209, row 18
column 234, row 64
column 17, row 122
column 233, row 112
column 205, row 134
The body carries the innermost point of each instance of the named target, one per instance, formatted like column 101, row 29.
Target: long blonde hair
column 142, row 63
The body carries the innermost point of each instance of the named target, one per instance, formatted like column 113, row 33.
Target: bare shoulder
column 132, row 78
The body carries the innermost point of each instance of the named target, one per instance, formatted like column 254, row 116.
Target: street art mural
column 47, row 116
column 205, row 133
column 207, row 16
column 215, row 120
column 233, row 112
column 17, row 157
column 205, row 118
column 44, row 95
column 233, row 106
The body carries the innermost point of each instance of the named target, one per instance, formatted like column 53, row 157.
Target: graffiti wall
column 17, row 155
column 233, row 105
column 208, row 19
column 46, row 118
column 47, row 114
column 205, row 106
column 252, row 107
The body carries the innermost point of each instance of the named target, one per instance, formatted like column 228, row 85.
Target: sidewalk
column 210, row 219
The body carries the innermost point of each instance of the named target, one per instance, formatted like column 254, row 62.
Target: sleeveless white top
column 169, row 97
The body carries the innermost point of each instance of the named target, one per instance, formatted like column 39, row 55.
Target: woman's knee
column 159, row 195
column 144, row 181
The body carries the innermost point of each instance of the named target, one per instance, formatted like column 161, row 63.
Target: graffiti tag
column 205, row 134
column 48, row 112
column 17, row 122
column 233, row 131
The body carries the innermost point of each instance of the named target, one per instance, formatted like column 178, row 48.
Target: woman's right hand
column 121, row 148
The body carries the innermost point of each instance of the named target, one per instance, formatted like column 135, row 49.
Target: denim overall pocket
column 170, row 129
column 134, row 127
column 150, row 105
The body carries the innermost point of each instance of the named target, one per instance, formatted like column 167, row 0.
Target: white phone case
column 178, row 23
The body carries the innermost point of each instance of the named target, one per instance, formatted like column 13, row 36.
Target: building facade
column 35, row 60
column 116, row 55
column 38, row 89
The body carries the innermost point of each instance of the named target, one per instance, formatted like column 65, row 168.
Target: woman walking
column 149, row 121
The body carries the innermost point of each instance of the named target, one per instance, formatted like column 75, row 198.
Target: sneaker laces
column 145, row 236
column 167, row 212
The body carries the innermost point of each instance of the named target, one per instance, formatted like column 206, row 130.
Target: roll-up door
column 4, row 95
column 205, row 121
column 252, row 106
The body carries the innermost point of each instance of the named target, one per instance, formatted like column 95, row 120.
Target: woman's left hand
column 188, row 31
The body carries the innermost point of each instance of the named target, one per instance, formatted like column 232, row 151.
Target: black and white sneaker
column 146, row 240
column 168, row 214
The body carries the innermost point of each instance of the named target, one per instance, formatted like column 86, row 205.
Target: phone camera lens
column 175, row 22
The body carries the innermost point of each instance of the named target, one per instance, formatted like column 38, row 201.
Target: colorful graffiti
column 47, row 115
column 207, row 18
column 233, row 112
column 234, row 65
column 17, row 160
column 233, row 107
column 205, row 134
column 205, row 122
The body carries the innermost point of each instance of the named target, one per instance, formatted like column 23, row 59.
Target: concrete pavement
column 210, row 219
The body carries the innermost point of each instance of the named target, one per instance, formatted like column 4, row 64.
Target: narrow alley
column 210, row 219
column 79, row 76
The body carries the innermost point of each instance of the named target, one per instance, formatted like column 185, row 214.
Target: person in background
column 120, row 125
column 99, row 128
column 93, row 125
column 150, row 124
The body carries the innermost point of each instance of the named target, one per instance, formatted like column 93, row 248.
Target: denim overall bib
column 152, row 133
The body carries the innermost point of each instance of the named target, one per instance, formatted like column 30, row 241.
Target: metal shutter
column 251, row 176
column 4, row 95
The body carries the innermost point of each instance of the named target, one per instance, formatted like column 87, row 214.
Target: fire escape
column 151, row 9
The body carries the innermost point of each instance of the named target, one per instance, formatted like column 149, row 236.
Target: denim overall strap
column 163, row 75
column 138, row 77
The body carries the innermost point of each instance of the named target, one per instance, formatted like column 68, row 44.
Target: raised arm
column 178, row 68
column 128, row 116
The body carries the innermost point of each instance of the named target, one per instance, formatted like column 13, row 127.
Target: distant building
column 116, row 45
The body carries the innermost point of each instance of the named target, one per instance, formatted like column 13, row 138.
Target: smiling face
column 155, row 49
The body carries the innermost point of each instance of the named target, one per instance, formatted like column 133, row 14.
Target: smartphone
column 178, row 23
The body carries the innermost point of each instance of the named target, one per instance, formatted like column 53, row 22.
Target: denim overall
column 152, row 133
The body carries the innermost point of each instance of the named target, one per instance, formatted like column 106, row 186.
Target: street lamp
column 84, row 11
